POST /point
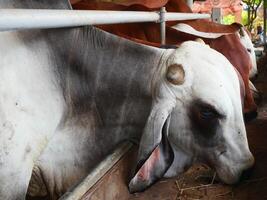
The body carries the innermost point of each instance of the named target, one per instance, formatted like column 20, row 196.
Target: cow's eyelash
column 208, row 112
column 207, row 107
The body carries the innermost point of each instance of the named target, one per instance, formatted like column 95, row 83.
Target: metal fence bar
column 169, row 16
column 15, row 19
column 216, row 15
column 162, row 25
column 189, row 3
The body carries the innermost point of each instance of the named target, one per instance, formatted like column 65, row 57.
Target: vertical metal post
column 217, row 15
column 189, row 3
column 162, row 25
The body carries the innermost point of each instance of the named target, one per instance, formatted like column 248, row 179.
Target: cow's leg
column 31, row 107
column 21, row 143
column 25, row 128
column 19, row 148
column 15, row 172
column 69, row 157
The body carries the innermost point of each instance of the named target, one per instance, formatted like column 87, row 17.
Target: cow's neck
column 99, row 73
column 106, row 75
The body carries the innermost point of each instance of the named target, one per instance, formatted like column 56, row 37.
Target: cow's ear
column 155, row 155
column 241, row 32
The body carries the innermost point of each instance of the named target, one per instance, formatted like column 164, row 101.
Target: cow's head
column 196, row 116
column 245, row 39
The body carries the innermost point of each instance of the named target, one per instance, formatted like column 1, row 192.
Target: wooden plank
column 108, row 178
column 114, row 184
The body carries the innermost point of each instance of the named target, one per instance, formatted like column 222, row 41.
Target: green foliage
column 250, row 2
column 228, row 19
column 244, row 17
column 253, row 6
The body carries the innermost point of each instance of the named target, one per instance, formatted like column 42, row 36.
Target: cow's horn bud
column 175, row 74
column 200, row 40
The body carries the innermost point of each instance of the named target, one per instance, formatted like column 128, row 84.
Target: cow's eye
column 249, row 50
column 207, row 114
column 204, row 115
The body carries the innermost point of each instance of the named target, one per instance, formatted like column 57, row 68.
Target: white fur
column 22, row 136
column 245, row 40
column 30, row 121
column 247, row 43
column 208, row 76
column 190, row 30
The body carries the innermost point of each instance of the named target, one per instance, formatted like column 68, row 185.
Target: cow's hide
column 223, row 38
column 69, row 96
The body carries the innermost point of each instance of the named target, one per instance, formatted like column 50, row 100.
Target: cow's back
column 74, row 94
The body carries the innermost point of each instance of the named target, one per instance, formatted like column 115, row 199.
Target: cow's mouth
column 227, row 176
column 231, row 175
column 224, row 173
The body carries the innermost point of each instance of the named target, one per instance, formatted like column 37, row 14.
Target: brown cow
column 149, row 33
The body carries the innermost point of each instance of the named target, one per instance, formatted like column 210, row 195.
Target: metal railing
column 17, row 19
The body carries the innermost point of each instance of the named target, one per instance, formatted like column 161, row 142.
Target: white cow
column 244, row 39
column 70, row 96
column 247, row 43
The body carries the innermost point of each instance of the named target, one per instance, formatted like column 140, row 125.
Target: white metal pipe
column 189, row 3
column 162, row 26
column 13, row 19
column 185, row 16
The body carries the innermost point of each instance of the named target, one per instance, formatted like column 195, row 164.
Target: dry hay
column 200, row 183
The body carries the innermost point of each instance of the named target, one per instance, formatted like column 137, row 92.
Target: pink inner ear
column 144, row 173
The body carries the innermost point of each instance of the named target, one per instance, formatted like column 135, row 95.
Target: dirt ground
column 199, row 182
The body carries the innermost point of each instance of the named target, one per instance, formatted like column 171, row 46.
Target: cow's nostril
column 250, row 116
column 256, row 75
column 246, row 174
